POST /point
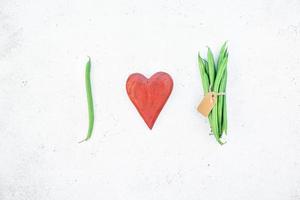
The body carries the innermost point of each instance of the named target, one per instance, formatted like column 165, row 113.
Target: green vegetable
column 204, row 77
column 221, row 100
column 89, row 99
column 211, row 68
column 214, row 79
column 224, row 121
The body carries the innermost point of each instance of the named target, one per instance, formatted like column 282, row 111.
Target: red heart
column 149, row 95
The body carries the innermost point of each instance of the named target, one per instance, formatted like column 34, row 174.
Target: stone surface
column 43, row 50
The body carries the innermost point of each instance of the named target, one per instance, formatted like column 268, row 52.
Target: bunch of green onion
column 214, row 79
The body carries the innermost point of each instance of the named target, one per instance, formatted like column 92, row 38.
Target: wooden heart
column 149, row 95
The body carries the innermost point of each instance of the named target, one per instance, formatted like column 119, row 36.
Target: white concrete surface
column 43, row 112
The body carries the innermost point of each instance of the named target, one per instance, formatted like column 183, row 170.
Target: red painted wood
column 149, row 95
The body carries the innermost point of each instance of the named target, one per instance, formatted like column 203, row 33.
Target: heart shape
column 149, row 95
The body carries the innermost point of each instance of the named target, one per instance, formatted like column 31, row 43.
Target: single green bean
column 209, row 115
column 221, row 98
column 204, row 77
column 206, row 65
column 89, row 99
column 222, row 54
column 214, row 114
column 224, row 111
column 224, row 121
column 211, row 68
column 207, row 72
column 212, row 78
column 220, row 73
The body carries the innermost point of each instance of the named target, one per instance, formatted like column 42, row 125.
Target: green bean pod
column 206, row 65
column 204, row 77
column 89, row 99
column 224, row 120
column 219, row 75
column 222, row 54
column 211, row 68
column 221, row 98
column 209, row 116
column 214, row 114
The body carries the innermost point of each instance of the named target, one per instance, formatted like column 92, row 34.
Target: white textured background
column 43, row 112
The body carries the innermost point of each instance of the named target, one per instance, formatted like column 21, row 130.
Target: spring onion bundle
column 214, row 79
